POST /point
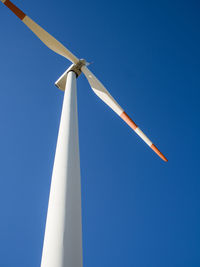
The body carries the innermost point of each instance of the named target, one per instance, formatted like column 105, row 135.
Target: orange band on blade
column 157, row 151
column 128, row 120
column 20, row 14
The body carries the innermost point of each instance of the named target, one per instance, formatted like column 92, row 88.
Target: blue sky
column 137, row 210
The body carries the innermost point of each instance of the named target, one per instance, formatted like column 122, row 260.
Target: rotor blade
column 102, row 93
column 44, row 36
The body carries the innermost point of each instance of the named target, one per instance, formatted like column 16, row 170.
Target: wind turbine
column 63, row 234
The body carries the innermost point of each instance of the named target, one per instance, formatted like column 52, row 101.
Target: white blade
column 105, row 96
column 49, row 40
column 101, row 91
column 44, row 36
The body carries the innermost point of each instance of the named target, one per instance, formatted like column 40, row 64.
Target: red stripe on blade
column 20, row 14
column 128, row 120
column 157, row 151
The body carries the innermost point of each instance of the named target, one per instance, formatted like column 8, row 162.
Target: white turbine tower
column 63, row 234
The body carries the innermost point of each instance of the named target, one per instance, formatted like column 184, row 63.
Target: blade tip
column 165, row 159
column 157, row 151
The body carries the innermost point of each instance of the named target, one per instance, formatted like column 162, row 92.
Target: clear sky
column 137, row 210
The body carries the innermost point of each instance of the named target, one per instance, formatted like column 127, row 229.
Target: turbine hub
column 76, row 68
